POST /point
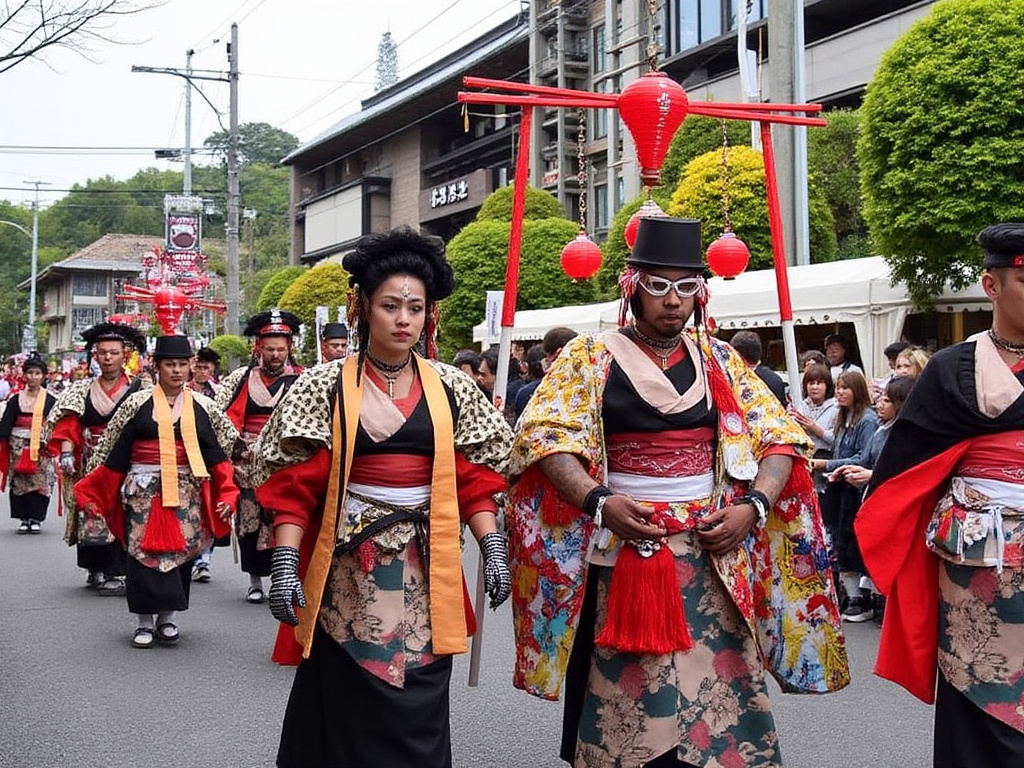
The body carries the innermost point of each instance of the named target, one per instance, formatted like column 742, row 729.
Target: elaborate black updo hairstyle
column 402, row 251
column 34, row 360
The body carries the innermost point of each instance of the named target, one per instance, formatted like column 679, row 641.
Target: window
column 599, row 62
column 697, row 21
column 601, row 216
column 83, row 317
column 89, row 285
column 599, row 117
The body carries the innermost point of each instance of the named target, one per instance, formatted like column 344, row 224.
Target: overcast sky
column 304, row 64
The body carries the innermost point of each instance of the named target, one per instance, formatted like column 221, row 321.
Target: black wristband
column 594, row 495
column 762, row 496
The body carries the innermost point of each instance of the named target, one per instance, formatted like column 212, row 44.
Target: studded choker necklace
column 390, row 371
column 663, row 348
column 1005, row 344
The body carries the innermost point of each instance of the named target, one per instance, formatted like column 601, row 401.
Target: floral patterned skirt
column 709, row 704
column 981, row 637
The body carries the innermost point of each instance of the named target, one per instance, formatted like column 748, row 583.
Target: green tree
column 699, row 196
column 942, row 140
column 324, row 285
column 697, row 136
column 478, row 255
column 277, row 285
column 257, row 143
column 832, row 162
column 232, row 349
column 538, row 204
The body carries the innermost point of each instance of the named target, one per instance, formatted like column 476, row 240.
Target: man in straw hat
column 665, row 535
column 74, row 428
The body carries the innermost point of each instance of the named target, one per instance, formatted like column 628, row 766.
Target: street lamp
column 28, row 334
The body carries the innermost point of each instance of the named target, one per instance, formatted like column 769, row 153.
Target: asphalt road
column 74, row 694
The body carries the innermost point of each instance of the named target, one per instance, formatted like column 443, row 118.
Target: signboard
column 446, row 194
column 492, row 314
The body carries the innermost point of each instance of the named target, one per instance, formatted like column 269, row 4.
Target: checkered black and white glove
column 285, row 585
column 497, row 576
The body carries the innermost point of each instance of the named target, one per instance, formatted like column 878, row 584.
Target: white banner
column 492, row 314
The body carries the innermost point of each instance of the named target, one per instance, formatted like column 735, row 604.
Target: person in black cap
column 942, row 530
column 248, row 396
column 204, row 372
column 74, row 429
column 24, row 460
column 333, row 342
column 652, row 465
column 162, row 480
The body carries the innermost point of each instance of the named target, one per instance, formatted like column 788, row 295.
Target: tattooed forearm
column 772, row 475
column 566, row 473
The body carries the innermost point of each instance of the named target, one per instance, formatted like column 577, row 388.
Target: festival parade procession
column 626, row 388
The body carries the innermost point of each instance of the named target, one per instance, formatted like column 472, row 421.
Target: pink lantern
column 581, row 258
column 649, row 209
column 653, row 107
column 728, row 256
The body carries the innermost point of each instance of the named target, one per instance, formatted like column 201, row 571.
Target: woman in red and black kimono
column 371, row 465
column 161, row 478
column 24, row 460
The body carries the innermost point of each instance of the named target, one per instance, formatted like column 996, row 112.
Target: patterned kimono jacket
column 779, row 581
column 126, row 490
column 26, row 477
column 80, row 417
column 304, row 460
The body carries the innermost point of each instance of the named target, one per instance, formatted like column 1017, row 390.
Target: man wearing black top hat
column 74, row 428
column 661, row 486
column 333, row 342
column 248, row 396
column 942, row 532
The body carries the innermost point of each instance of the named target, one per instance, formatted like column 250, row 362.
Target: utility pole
column 187, row 187
column 234, row 197
column 786, row 86
column 29, row 334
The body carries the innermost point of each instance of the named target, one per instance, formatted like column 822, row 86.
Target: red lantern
column 169, row 301
column 652, row 107
column 581, row 258
column 728, row 256
column 649, row 209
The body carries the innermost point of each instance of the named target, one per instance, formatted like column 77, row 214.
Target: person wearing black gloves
column 370, row 465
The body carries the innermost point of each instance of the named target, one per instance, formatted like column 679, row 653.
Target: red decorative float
column 728, row 256
column 581, row 258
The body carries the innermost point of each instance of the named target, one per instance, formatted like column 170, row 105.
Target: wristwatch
column 759, row 501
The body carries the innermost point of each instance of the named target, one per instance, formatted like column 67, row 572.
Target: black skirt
column 109, row 559
column 255, row 562
column 967, row 737
column 151, row 591
column 29, row 506
column 341, row 716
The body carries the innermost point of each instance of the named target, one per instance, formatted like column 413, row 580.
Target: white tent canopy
column 856, row 291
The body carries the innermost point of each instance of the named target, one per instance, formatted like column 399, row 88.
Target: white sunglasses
column 660, row 286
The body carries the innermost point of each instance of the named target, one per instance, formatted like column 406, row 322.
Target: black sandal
column 165, row 636
column 144, row 637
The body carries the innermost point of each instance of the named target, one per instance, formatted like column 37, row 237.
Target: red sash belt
column 254, row 422
column 23, row 421
column 148, row 452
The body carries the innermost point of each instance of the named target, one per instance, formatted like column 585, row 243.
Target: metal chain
column 581, row 160
column 725, row 177
column 652, row 46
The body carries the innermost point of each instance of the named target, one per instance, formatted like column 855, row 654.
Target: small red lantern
column 581, row 258
column 649, row 209
column 652, row 107
column 728, row 256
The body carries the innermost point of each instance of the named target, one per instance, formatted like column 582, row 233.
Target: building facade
column 413, row 156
